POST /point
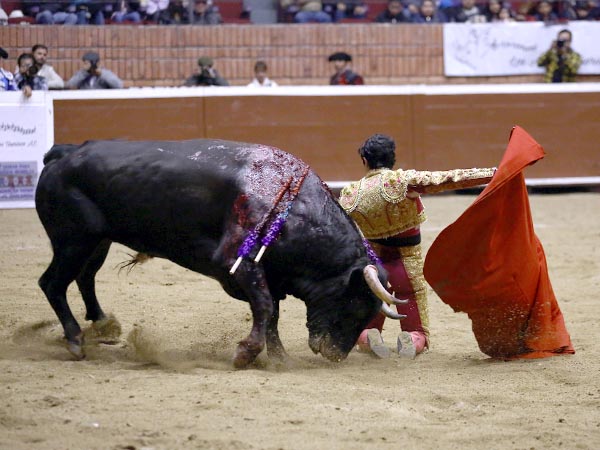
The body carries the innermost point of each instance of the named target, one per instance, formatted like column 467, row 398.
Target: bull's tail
column 58, row 151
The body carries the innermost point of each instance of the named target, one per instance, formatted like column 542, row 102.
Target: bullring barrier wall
column 435, row 127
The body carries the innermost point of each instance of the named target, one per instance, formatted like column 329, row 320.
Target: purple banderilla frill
column 274, row 229
column 371, row 253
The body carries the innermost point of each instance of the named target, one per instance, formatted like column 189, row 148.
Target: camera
column 560, row 43
column 32, row 71
column 93, row 67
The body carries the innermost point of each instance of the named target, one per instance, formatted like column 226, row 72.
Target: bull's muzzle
column 387, row 299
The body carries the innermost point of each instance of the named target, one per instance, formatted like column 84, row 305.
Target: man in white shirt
column 260, row 76
column 45, row 70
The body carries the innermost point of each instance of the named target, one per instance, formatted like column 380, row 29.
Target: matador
column 386, row 205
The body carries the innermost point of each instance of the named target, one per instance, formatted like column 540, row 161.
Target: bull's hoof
column 245, row 354
column 105, row 331
column 75, row 347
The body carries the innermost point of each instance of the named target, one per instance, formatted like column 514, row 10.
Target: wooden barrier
column 434, row 129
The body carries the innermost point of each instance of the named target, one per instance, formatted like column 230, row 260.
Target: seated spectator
column 126, row 11
column 90, row 11
column 428, row 13
column 587, row 10
column 342, row 63
column 40, row 55
column 524, row 12
column 204, row 14
column 178, row 12
column 92, row 76
column 156, row 11
column 506, row 15
column 467, row 11
column 544, row 13
column 394, row 13
column 260, row 76
column 491, row 11
column 3, row 17
column 350, row 9
column 27, row 78
column 7, row 80
column 206, row 75
column 311, row 11
column 51, row 13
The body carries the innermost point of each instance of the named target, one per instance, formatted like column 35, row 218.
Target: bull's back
column 140, row 192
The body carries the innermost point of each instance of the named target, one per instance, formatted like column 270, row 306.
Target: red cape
column 490, row 264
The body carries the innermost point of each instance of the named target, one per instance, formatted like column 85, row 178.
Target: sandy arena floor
column 178, row 390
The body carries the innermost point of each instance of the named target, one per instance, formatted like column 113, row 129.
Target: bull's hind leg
column 252, row 280
column 87, row 283
column 67, row 263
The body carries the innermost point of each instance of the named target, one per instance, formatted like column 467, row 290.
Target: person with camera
column 27, row 78
column 92, row 76
column 561, row 61
column 207, row 75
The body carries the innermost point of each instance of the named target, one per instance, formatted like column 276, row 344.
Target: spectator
column 344, row 75
column 467, row 11
column 544, row 13
column 587, row 10
column 90, row 11
column 506, row 15
column 207, row 75
column 393, row 13
column 126, row 11
column 561, row 61
column 428, row 13
column 3, row 17
column 205, row 14
column 523, row 12
column 40, row 55
column 260, row 76
column 51, row 13
column 350, row 9
column 178, row 12
column 156, row 11
column 92, row 76
column 7, row 80
column 311, row 11
column 27, row 78
column 492, row 11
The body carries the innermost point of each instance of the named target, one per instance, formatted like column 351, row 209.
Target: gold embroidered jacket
column 386, row 202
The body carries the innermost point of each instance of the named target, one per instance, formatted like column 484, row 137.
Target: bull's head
column 334, row 325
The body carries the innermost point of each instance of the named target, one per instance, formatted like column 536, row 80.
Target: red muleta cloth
column 490, row 264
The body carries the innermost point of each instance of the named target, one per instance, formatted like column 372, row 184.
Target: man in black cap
column 7, row 80
column 91, row 76
column 342, row 63
column 207, row 75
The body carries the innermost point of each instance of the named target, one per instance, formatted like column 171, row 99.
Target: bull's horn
column 370, row 274
column 391, row 314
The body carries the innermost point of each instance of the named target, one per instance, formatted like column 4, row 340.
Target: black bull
column 194, row 203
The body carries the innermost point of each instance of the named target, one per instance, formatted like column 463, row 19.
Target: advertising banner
column 498, row 49
column 26, row 134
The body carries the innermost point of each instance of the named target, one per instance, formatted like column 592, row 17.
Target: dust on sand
column 168, row 382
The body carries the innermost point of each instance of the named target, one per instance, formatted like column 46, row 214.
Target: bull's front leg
column 275, row 348
column 251, row 279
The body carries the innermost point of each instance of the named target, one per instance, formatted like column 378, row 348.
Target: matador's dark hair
column 379, row 151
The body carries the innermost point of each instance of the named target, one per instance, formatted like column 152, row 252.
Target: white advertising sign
column 26, row 133
column 496, row 49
